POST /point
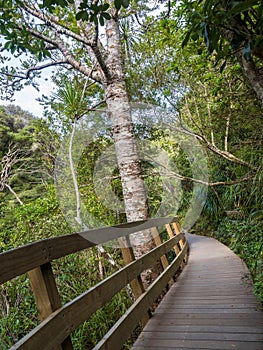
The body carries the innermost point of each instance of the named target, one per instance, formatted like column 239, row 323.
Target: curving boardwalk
column 211, row 306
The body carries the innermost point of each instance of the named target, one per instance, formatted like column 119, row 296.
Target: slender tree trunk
column 250, row 70
column 118, row 110
column 252, row 73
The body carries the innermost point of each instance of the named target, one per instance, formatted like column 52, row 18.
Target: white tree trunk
column 118, row 110
column 134, row 193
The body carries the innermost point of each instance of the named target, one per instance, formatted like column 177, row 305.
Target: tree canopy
column 199, row 61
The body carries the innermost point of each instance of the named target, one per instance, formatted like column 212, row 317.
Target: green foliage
column 71, row 100
column 20, row 155
column 93, row 13
column 245, row 238
column 14, row 127
column 202, row 97
column 75, row 274
column 16, row 295
column 32, row 221
column 119, row 3
column 212, row 20
column 40, row 217
column 205, row 98
column 88, row 10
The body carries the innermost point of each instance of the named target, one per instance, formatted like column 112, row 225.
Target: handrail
column 18, row 261
column 122, row 329
column 60, row 321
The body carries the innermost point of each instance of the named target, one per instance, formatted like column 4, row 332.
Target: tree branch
column 225, row 154
column 53, row 22
column 32, row 69
column 89, row 72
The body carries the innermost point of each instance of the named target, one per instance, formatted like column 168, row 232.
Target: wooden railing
column 59, row 321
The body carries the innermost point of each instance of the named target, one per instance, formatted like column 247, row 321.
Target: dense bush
column 74, row 274
column 245, row 238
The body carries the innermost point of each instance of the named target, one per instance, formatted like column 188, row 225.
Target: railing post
column 171, row 235
column 128, row 257
column 157, row 240
column 136, row 284
column 46, row 295
column 177, row 230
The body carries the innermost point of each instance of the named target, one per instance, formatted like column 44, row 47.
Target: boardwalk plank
column 211, row 306
column 164, row 335
column 204, row 345
column 204, row 329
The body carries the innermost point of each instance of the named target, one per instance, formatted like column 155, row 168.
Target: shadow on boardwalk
column 211, row 306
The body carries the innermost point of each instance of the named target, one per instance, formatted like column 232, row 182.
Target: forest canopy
column 199, row 61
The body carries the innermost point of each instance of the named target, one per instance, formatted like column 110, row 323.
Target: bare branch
column 89, row 72
column 14, row 193
column 210, row 184
column 174, row 175
column 166, row 15
column 26, row 74
column 225, row 154
column 12, row 157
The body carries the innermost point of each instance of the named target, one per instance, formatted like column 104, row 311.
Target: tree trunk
column 119, row 112
column 250, row 71
column 252, row 74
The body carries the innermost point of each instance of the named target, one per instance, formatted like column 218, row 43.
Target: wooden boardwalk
column 211, row 306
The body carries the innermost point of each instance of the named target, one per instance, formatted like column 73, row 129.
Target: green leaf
column 82, row 15
column 95, row 8
column 223, row 66
column 47, row 3
column 186, row 38
column 101, row 19
column 117, row 4
column 208, row 5
column 242, row 6
column 92, row 16
column 125, row 3
column 104, row 7
column 106, row 15
column 62, row 3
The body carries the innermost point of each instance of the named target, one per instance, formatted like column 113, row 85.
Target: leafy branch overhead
column 230, row 29
column 239, row 22
column 88, row 10
column 55, row 33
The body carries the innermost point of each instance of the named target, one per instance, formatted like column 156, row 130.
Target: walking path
column 211, row 306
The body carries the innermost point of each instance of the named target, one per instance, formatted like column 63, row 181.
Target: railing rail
column 59, row 321
column 20, row 260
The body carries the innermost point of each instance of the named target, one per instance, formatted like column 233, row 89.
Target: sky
column 26, row 98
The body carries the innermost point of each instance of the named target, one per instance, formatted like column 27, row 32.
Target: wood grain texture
column 158, row 241
column 211, row 306
column 17, row 261
column 46, row 295
column 55, row 328
column 122, row 329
